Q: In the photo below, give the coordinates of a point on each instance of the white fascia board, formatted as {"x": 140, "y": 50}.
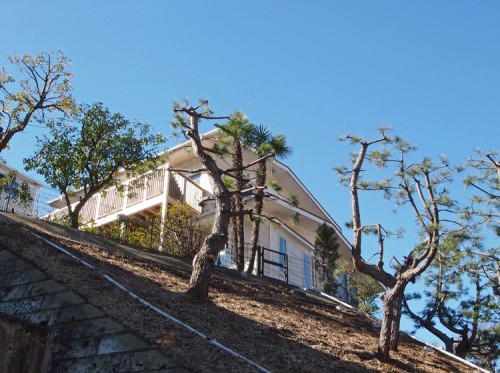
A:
{"x": 297, "y": 180}
{"x": 187, "y": 143}
{"x": 313, "y": 217}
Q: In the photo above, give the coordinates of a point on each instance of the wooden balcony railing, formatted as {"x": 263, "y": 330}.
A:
{"x": 185, "y": 190}
{"x": 151, "y": 185}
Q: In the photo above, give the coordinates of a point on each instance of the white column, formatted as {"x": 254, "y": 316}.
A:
{"x": 164, "y": 203}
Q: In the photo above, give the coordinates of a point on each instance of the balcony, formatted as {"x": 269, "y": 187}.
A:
{"x": 139, "y": 194}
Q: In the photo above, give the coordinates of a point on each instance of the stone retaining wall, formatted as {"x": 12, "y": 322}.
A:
{"x": 65, "y": 332}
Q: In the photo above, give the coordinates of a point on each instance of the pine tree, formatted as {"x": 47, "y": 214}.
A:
{"x": 326, "y": 254}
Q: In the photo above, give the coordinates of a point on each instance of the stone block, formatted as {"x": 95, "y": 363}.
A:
{"x": 30, "y": 289}
{"x": 19, "y": 278}
{"x": 86, "y": 328}
{"x": 6, "y": 255}
{"x": 61, "y": 299}
{"x": 44, "y": 287}
{"x": 17, "y": 307}
{"x": 74, "y": 348}
{"x": 16, "y": 265}
{"x": 39, "y": 317}
{"x": 147, "y": 360}
{"x": 93, "y": 364}
{"x": 74, "y": 313}
{"x": 119, "y": 343}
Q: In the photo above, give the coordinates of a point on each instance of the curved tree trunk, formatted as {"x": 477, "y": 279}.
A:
{"x": 428, "y": 324}
{"x": 464, "y": 345}
{"x": 398, "y": 304}
{"x": 214, "y": 243}
{"x": 74, "y": 214}
{"x": 73, "y": 218}
{"x": 199, "y": 283}
{"x": 391, "y": 316}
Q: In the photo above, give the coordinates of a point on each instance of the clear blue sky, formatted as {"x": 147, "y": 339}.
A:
{"x": 312, "y": 70}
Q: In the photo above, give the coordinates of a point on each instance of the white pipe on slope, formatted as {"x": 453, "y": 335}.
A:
{"x": 156, "y": 309}
{"x": 453, "y": 356}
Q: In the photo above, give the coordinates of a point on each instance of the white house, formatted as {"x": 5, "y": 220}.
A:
{"x": 287, "y": 248}
{"x": 9, "y": 200}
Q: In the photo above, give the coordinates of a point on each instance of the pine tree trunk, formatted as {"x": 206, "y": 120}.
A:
{"x": 238, "y": 235}
{"x": 398, "y": 304}
{"x": 255, "y": 241}
{"x": 235, "y": 242}
{"x": 391, "y": 315}
{"x": 464, "y": 345}
{"x": 199, "y": 283}
{"x": 384, "y": 341}
{"x": 237, "y": 204}
{"x": 260, "y": 182}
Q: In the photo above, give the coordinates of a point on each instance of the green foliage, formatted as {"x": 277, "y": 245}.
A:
{"x": 87, "y": 153}
{"x": 183, "y": 233}
{"x": 275, "y": 185}
{"x": 328, "y": 287}
{"x": 486, "y": 353}
{"x": 362, "y": 293}
{"x": 43, "y": 88}
{"x": 14, "y": 192}
{"x": 326, "y": 254}
{"x": 228, "y": 182}
{"x": 24, "y": 195}
{"x": 62, "y": 220}
{"x": 293, "y": 200}
{"x": 458, "y": 295}
{"x": 484, "y": 181}
{"x": 265, "y": 143}
{"x": 294, "y": 219}
{"x": 222, "y": 146}
{"x": 366, "y": 296}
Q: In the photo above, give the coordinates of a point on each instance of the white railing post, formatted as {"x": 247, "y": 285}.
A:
{"x": 97, "y": 207}
{"x": 145, "y": 182}
{"x": 125, "y": 197}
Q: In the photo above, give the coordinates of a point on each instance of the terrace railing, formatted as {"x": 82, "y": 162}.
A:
{"x": 139, "y": 190}
{"x": 185, "y": 190}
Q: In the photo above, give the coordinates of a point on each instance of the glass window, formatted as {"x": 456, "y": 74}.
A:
{"x": 307, "y": 271}
{"x": 196, "y": 177}
{"x": 282, "y": 251}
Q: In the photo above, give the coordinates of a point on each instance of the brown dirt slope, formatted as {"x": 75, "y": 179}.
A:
{"x": 259, "y": 320}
